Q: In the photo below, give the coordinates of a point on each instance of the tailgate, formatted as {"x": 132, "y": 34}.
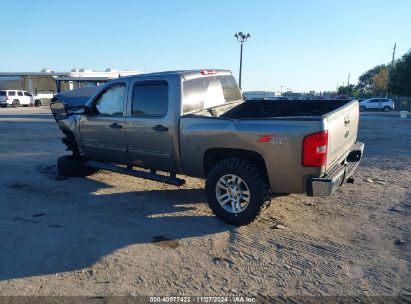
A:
{"x": 342, "y": 125}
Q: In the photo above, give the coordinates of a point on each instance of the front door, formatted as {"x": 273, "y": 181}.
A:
{"x": 22, "y": 98}
{"x": 103, "y": 132}
{"x": 149, "y": 126}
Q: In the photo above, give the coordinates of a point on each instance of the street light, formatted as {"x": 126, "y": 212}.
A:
{"x": 241, "y": 37}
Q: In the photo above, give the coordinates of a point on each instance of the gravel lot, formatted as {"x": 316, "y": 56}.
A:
{"x": 117, "y": 235}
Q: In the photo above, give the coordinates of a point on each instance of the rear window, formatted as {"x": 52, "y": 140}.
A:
{"x": 20, "y": 93}
{"x": 12, "y": 93}
{"x": 2, "y": 93}
{"x": 208, "y": 92}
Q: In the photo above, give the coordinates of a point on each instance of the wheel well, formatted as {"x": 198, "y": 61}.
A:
{"x": 213, "y": 156}
{"x": 70, "y": 141}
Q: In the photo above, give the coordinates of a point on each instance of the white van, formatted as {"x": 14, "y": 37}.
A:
{"x": 16, "y": 98}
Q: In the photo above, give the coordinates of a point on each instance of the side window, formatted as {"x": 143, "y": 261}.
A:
{"x": 150, "y": 99}
{"x": 20, "y": 93}
{"x": 12, "y": 93}
{"x": 27, "y": 94}
{"x": 111, "y": 101}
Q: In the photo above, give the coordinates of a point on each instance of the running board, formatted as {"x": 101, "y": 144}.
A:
{"x": 172, "y": 180}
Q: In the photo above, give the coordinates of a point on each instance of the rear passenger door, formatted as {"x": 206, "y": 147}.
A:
{"x": 12, "y": 95}
{"x": 148, "y": 125}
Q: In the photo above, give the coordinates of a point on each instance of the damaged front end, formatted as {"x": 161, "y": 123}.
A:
{"x": 67, "y": 108}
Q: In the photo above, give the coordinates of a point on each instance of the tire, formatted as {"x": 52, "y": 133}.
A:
{"x": 362, "y": 109}
{"x": 386, "y": 109}
{"x": 253, "y": 178}
{"x": 15, "y": 104}
{"x": 74, "y": 167}
{"x": 4, "y": 106}
{"x": 37, "y": 103}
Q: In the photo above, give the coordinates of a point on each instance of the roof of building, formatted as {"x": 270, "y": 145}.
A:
{"x": 34, "y": 74}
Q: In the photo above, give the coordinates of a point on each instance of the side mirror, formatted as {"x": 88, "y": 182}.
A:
{"x": 59, "y": 110}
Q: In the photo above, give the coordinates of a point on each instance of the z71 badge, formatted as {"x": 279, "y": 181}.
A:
{"x": 271, "y": 139}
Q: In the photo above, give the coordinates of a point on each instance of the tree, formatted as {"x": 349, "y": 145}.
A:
{"x": 374, "y": 81}
{"x": 381, "y": 82}
{"x": 400, "y": 78}
{"x": 350, "y": 90}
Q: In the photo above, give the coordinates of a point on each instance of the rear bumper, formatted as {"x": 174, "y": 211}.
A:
{"x": 338, "y": 175}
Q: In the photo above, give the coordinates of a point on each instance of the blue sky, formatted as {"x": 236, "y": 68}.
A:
{"x": 302, "y": 45}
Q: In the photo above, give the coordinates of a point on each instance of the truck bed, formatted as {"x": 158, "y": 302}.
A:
{"x": 240, "y": 125}
{"x": 285, "y": 108}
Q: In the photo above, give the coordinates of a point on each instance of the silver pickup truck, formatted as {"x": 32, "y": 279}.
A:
{"x": 196, "y": 123}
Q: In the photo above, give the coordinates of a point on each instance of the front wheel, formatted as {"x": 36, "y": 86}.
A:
{"x": 37, "y": 103}
{"x": 74, "y": 167}
{"x": 386, "y": 109}
{"x": 15, "y": 103}
{"x": 237, "y": 191}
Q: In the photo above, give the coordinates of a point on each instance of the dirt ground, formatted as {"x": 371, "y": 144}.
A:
{"x": 117, "y": 235}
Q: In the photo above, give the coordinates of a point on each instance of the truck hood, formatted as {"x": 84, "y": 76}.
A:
{"x": 75, "y": 98}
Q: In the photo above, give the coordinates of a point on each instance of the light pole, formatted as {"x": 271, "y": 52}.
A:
{"x": 241, "y": 37}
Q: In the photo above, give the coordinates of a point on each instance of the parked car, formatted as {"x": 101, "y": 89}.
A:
{"x": 379, "y": 104}
{"x": 343, "y": 98}
{"x": 195, "y": 123}
{"x": 16, "y": 98}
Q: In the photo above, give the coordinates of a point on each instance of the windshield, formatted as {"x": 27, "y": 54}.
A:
{"x": 207, "y": 92}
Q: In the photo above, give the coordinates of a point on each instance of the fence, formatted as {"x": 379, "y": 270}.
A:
{"x": 402, "y": 103}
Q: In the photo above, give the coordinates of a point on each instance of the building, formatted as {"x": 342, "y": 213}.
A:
{"x": 46, "y": 83}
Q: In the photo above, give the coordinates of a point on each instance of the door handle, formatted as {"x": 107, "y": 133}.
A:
{"x": 115, "y": 126}
{"x": 160, "y": 128}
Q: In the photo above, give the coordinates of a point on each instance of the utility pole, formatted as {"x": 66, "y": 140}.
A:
{"x": 393, "y": 55}
{"x": 241, "y": 37}
{"x": 348, "y": 83}
{"x": 392, "y": 68}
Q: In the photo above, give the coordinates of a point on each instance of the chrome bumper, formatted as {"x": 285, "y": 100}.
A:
{"x": 338, "y": 175}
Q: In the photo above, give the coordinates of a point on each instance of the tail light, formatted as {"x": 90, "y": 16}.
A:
{"x": 315, "y": 148}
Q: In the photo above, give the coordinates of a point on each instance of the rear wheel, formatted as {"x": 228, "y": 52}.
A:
{"x": 37, "y": 103}
{"x": 74, "y": 167}
{"x": 386, "y": 109}
{"x": 237, "y": 191}
{"x": 15, "y": 103}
